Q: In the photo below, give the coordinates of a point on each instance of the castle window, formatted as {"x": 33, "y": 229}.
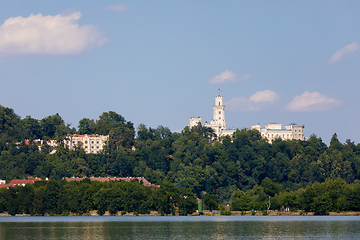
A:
{"x": 97, "y": 142}
{"x": 219, "y": 103}
{"x": 85, "y": 142}
{"x": 219, "y": 117}
{"x": 219, "y": 112}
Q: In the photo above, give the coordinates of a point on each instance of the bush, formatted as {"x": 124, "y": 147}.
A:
{"x": 224, "y": 212}
{"x": 265, "y": 213}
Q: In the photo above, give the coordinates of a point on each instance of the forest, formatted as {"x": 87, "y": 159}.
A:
{"x": 235, "y": 169}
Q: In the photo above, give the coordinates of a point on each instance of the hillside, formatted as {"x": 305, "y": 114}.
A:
{"x": 188, "y": 159}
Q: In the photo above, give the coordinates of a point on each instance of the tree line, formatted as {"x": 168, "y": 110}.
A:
{"x": 320, "y": 198}
{"x": 81, "y": 197}
{"x": 191, "y": 160}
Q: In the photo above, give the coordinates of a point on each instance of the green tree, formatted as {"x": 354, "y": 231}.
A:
{"x": 188, "y": 204}
{"x": 167, "y": 198}
{"x": 270, "y": 188}
{"x": 86, "y": 126}
{"x": 211, "y": 201}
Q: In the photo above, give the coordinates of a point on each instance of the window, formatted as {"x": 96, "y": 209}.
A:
{"x": 85, "y": 142}
{"x": 219, "y": 103}
{"x": 220, "y": 112}
{"x": 92, "y": 142}
{"x": 92, "y": 146}
{"x": 97, "y": 142}
{"x": 219, "y": 117}
{"x": 73, "y": 142}
{"x": 97, "y": 147}
{"x": 86, "y": 146}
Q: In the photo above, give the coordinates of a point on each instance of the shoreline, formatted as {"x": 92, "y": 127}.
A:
{"x": 215, "y": 213}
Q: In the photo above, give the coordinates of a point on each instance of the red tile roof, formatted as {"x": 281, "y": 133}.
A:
{"x": 103, "y": 179}
{"x": 19, "y": 182}
{"x": 78, "y": 135}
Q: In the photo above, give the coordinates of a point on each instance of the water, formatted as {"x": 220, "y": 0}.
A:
{"x": 211, "y": 227}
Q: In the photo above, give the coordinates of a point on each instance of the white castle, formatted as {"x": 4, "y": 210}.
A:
{"x": 218, "y": 124}
{"x": 271, "y": 131}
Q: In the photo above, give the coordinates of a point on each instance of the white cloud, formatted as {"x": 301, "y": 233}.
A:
{"x": 264, "y": 96}
{"x": 312, "y": 102}
{"x": 351, "y": 48}
{"x": 118, "y": 8}
{"x": 224, "y": 77}
{"x": 256, "y": 102}
{"x": 228, "y": 76}
{"x": 38, "y": 34}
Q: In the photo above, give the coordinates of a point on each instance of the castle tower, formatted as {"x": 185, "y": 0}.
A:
{"x": 218, "y": 124}
{"x": 194, "y": 121}
{"x": 219, "y": 113}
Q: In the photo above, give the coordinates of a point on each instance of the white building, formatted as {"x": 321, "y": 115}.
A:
{"x": 273, "y": 131}
{"x": 90, "y": 143}
{"x": 270, "y": 132}
{"x": 194, "y": 121}
{"x": 218, "y": 124}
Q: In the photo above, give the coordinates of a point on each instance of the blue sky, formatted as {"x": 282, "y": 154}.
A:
{"x": 161, "y": 62}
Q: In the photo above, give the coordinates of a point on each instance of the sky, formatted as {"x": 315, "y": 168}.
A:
{"x": 161, "y": 62}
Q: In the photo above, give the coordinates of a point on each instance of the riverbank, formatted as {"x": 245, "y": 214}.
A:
{"x": 206, "y": 213}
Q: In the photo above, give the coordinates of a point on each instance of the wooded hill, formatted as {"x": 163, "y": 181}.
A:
{"x": 190, "y": 159}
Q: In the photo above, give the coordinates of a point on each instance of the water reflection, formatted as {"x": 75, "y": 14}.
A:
{"x": 257, "y": 229}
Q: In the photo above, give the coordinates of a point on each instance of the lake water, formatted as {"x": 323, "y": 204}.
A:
{"x": 194, "y": 227}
